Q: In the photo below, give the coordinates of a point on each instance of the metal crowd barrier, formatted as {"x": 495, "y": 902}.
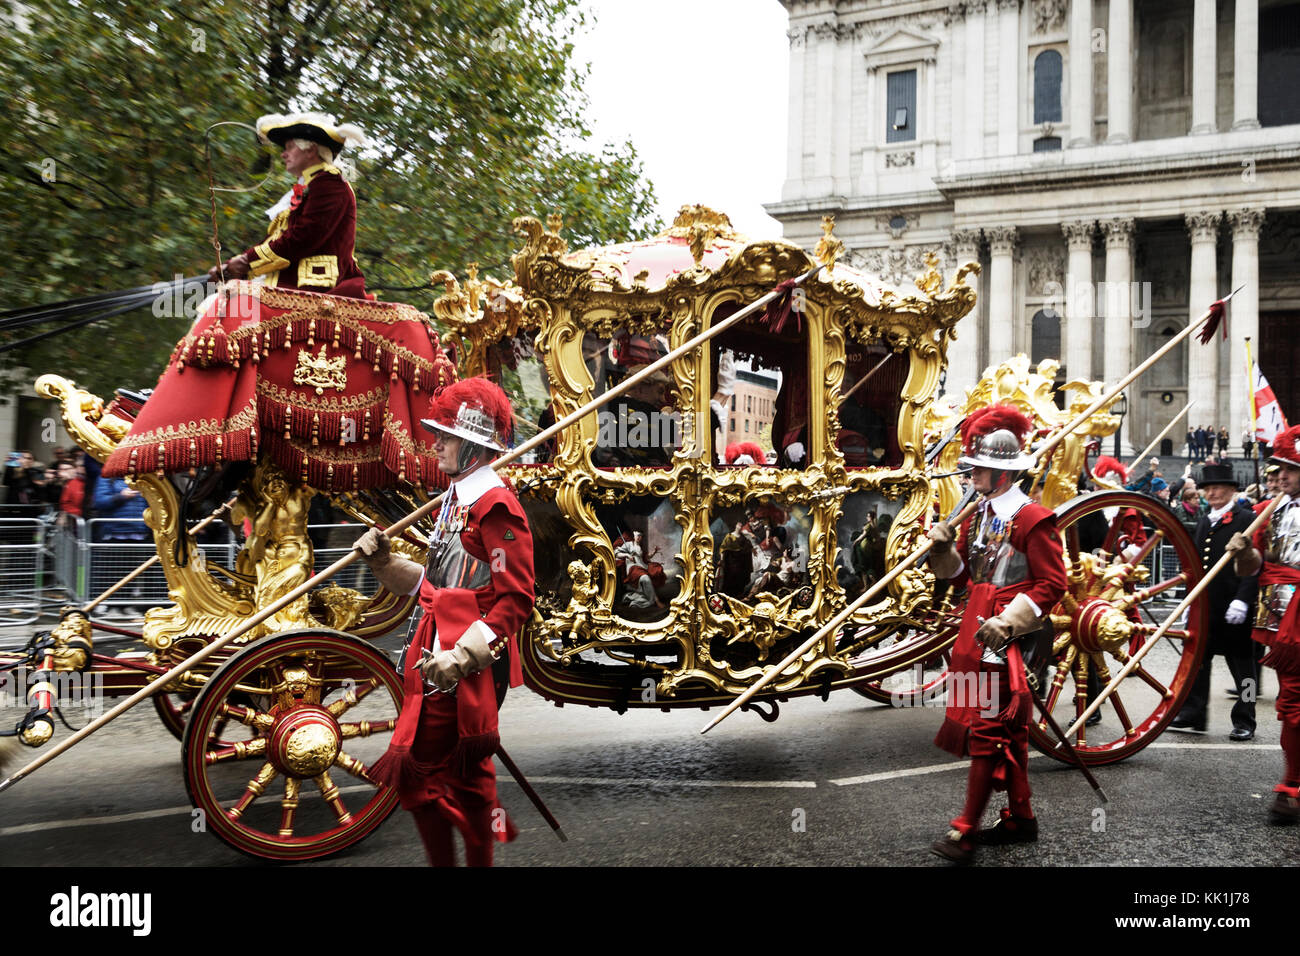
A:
{"x": 22, "y": 569}
{"x": 114, "y": 547}
{"x": 330, "y": 542}
{"x": 49, "y": 561}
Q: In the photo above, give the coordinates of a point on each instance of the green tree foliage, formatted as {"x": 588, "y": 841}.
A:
{"x": 473, "y": 110}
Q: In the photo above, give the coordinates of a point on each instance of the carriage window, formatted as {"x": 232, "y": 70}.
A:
{"x": 870, "y": 405}
{"x": 641, "y": 427}
{"x": 516, "y": 364}
{"x": 768, "y": 371}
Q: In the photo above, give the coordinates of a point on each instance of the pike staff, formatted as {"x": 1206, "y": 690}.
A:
{"x": 1165, "y": 431}
{"x": 783, "y": 292}
{"x": 1213, "y": 316}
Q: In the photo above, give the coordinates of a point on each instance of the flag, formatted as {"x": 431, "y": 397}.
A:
{"x": 1269, "y": 420}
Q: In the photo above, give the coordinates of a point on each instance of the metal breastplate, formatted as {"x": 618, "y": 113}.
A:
{"x": 451, "y": 566}
{"x": 992, "y": 558}
{"x": 1283, "y": 547}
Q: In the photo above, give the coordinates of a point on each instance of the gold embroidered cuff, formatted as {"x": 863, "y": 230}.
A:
{"x": 266, "y": 261}
{"x": 319, "y": 272}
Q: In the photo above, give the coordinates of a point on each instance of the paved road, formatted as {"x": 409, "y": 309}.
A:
{"x": 843, "y": 782}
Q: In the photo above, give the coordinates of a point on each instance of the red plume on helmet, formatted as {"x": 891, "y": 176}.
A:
{"x": 989, "y": 419}
{"x": 1107, "y": 465}
{"x": 756, "y": 454}
{"x": 1286, "y": 446}
{"x": 475, "y": 409}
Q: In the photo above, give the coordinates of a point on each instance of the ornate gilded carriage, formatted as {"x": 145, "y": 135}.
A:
{"x": 673, "y": 566}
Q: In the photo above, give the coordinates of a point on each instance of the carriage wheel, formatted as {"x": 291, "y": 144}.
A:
{"x": 278, "y": 742}
{"x": 923, "y": 677}
{"x": 1111, "y": 609}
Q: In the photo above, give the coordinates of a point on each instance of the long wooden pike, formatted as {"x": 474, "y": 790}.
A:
{"x": 396, "y": 529}
{"x": 1042, "y": 453}
{"x": 1260, "y": 520}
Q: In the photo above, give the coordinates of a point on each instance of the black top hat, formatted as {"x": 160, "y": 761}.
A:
{"x": 1218, "y": 475}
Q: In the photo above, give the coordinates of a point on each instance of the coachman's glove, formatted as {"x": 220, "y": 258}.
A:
{"x": 945, "y": 562}
{"x": 1245, "y": 559}
{"x": 1236, "y": 613}
{"x": 444, "y": 669}
{"x": 375, "y": 547}
{"x": 1018, "y": 618}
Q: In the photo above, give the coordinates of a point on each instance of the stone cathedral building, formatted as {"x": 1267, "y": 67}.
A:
{"x": 1114, "y": 165}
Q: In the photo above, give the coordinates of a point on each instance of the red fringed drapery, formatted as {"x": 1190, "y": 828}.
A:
{"x": 331, "y": 388}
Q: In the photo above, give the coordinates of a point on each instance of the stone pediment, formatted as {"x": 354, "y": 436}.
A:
{"x": 901, "y": 46}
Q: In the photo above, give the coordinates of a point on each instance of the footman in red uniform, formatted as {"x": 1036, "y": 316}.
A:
{"x": 1275, "y": 553}
{"x": 476, "y": 591}
{"x": 1011, "y": 554}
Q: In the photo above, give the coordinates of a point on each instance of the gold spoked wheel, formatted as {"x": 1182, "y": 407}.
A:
{"x": 1120, "y": 589}
{"x": 301, "y": 716}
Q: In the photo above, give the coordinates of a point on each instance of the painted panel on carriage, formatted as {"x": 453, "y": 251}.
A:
{"x": 760, "y": 547}
{"x": 861, "y": 532}
{"x": 646, "y": 542}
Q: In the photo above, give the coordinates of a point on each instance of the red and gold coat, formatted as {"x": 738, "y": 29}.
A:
{"x": 310, "y": 245}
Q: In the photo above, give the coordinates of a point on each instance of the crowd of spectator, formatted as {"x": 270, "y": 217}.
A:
{"x": 60, "y": 487}
{"x": 1201, "y": 442}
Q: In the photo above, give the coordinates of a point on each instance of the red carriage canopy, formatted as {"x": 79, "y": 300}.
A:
{"x": 332, "y": 388}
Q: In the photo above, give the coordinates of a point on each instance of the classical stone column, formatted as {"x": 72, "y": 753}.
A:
{"x": 1119, "y": 73}
{"x": 1243, "y": 311}
{"x": 1203, "y": 360}
{"x": 842, "y": 111}
{"x": 1080, "y": 72}
{"x": 1117, "y": 302}
{"x": 963, "y": 356}
{"x": 1002, "y": 250}
{"x": 1008, "y": 74}
{"x": 1245, "y": 66}
{"x": 796, "y": 135}
{"x": 1204, "y": 77}
{"x": 822, "y": 183}
{"x": 1080, "y": 294}
{"x": 957, "y": 73}
{"x": 974, "y": 83}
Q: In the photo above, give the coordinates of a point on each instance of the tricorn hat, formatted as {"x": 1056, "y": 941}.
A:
{"x": 474, "y": 409}
{"x": 1218, "y": 475}
{"x": 318, "y": 127}
{"x": 994, "y": 437}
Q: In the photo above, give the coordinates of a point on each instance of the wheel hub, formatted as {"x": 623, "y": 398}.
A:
{"x": 305, "y": 742}
{"x": 1100, "y": 626}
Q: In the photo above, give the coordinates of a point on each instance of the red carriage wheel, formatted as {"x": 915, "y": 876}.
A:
{"x": 278, "y": 741}
{"x": 1111, "y": 609}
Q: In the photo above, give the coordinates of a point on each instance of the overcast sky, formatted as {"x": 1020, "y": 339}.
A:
{"x": 699, "y": 87}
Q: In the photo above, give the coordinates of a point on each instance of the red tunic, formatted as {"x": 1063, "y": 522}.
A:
{"x": 979, "y": 723}
{"x": 311, "y": 246}
{"x": 456, "y": 733}
{"x": 1284, "y": 643}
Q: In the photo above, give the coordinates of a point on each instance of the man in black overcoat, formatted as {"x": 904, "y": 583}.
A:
{"x": 1232, "y": 609}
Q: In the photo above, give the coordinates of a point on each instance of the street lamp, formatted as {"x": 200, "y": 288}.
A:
{"x": 1120, "y": 408}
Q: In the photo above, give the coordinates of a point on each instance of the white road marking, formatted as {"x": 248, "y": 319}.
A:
{"x": 1207, "y": 746}
{"x": 664, "y": 782}
{"x": 909, "y": 772}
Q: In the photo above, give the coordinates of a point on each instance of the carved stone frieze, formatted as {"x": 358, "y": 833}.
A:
{"x": 1045, "y": 265}
{"x": 1048, "y": 15}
